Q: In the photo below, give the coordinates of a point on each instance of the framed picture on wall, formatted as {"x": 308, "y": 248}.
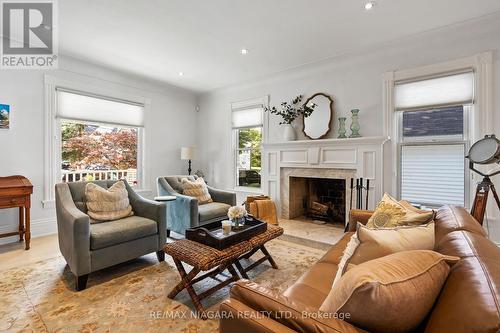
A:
{"x": 4, "y": 116}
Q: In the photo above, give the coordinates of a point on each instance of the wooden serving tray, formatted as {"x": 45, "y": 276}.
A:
{"x": 211, "y": 234}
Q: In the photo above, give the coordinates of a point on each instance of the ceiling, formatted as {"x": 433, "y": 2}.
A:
{"x": 158, "y": 39}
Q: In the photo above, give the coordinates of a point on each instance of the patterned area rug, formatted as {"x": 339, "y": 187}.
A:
{"x": 131, "y": 297}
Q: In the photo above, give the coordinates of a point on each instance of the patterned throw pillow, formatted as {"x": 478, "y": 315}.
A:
{"x": 391, "y": 213}
{"x": 197, "y": 189}
{"x": 107, "y": 205}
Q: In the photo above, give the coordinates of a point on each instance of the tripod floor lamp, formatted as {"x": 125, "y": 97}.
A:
{"x": 484, "y": 151}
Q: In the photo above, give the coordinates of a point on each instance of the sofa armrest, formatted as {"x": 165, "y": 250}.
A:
{"x": 290, "y": 313}
{"x": 226, "y": 197}
{"x": 182, "y": 212}
{"x": 238, "y": 317}
{"x": 185, "y": 205}
{"x": 358, "y": 215}
{"x": 150, "y": 209}
{"x": 73, "y": 228}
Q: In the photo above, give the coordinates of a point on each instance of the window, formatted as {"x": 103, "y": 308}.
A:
{"x": 100, "y": 138}
{"x": 433, "y": 117}
{"x": 247, "y": 127}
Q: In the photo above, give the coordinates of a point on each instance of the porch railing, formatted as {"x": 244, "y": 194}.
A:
{"x": 89, "y": 175}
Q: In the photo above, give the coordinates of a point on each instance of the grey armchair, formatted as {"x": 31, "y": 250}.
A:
{"x": 88, "y": 247}
{"x": 185, "y": 213}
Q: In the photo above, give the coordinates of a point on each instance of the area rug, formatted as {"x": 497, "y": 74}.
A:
{"x": 130, "y": 297}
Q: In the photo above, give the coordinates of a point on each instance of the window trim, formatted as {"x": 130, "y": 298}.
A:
{"x": 247, "y": 103}
{"x": 481, "y": 122}
{"x": 465, "y": 141}
{"x": 52, "y": 137}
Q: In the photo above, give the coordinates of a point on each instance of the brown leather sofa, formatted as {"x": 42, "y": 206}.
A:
{"x": 469, "y": 301}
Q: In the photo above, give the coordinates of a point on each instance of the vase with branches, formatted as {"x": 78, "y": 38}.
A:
{"x": 289, "y": 111}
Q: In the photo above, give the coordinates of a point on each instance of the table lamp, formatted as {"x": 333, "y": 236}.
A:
{"x": 187, "y": 153}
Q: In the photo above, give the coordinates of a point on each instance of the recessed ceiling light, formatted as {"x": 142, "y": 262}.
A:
{"x": 181, "y": 74}
{"x": 369, "y": 5}
{"x": 244, "y": 51}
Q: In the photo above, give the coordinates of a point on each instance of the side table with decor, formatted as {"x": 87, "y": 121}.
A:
{"x": 213, "y": 249}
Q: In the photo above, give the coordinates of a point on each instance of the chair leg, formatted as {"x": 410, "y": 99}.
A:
{"x": 160, "y": 255}
{"x": 168, "y": 233}
{"x": 81, "y": 282}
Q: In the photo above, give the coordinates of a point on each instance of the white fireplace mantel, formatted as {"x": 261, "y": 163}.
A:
{"x": 362, "y": 155}
{"x": 326, "y": 142}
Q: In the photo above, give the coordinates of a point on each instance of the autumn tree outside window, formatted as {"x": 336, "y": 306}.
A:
{"x": 100, "y": 137}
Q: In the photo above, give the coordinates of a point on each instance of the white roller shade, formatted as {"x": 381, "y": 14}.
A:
{"x": 247, "y": 118}
{"x": 75, "y": 106}
{"x": 446, "y": 90}
{"x": 433, "y": 174}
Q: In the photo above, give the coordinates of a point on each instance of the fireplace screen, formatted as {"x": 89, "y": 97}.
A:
{"x": 318, "y": 198}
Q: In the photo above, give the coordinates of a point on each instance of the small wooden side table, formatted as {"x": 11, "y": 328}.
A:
{"x": 15, "y": 191}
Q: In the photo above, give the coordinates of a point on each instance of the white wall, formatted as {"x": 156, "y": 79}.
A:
{"x": 170, "y": 125}
{"x": 354, "y": 81}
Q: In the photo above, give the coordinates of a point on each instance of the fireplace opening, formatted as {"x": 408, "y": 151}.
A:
{"x": 318, "y": 199}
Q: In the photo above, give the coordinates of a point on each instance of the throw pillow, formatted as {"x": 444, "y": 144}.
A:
{"x": 367, "y": 244}
{"x": 107, "y": 205}
{"x": 391, "y": 213}
{"x": 409, "y": 206}
{"x": 197, "y": 189}
{"x": 390, "y": 294}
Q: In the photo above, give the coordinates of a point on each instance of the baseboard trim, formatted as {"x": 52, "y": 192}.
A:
{"x": 39, "y": 227}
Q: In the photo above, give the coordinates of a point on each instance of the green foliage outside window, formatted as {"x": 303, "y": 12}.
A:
{"x": 251, "y": 138}
{"x": 68, "y": 132}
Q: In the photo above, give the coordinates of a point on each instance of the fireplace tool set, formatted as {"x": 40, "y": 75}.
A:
{"x": 359, "y": 192}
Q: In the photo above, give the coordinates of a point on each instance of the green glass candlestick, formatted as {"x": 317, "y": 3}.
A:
{"x": 342, "y": 130}
{"x": 355, "y": 124}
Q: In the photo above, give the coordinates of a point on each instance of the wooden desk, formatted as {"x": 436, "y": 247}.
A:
{"x": 15, "y": 191}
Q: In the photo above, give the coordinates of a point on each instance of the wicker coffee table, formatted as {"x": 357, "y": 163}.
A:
{"x": 257, "y": 242}
{"x": 207, "y": 259}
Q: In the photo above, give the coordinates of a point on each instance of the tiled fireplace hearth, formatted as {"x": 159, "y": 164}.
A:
{"x": 292, "y": 169}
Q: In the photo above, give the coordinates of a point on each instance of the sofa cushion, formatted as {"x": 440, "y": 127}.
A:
{"x": 107, "y": 204}
{"x": 334, "y": 255}
{"x": 110, "y": 233}
{"x": 453, "y": 218}
{"x": 367, "y": 244}
{"x": 77, "y": 190}
{"x": 197, "y": 189}
{"x": 376, "y": 243}
{"x": 314, "y": 285}
{"x": 377, "y": 292}
{"x": 470, "y": 299}
{"x": 391, "y": 213}
{"x": 212, "y": 210}
{"x": 175, "y": 182}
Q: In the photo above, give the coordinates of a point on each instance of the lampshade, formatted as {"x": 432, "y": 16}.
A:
{"x": 187, "y": 153}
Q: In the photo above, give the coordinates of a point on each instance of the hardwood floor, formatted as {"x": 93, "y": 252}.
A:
{"x": 46, "y": 247}
{"x": 42, "y": 248}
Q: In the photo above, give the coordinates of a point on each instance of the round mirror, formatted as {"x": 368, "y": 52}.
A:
{"x": 317, "y": 125}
